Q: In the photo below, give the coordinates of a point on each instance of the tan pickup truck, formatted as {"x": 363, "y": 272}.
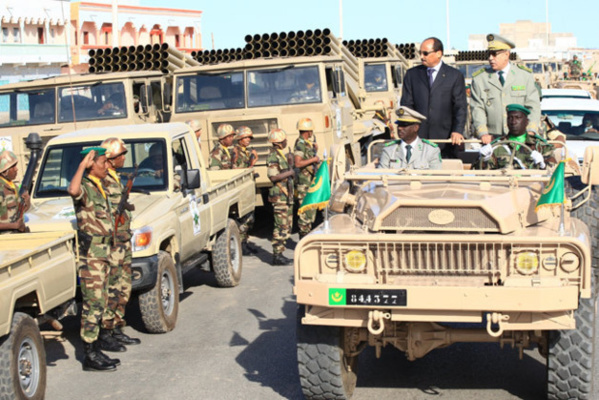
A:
{"x": 38, "y": 281}
{"x": 185, "y": 215}
{"x": 421, "y": 259}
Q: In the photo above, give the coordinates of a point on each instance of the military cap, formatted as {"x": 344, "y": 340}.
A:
{"x": 243, "y": 132}
{"x": 100, "y": 151}
{"x": 194, "y": 124}
{"x": 405, "y": 114}
{"x": 497, "y": 42}
{"x": 224, "y": 130}
{"x": 7, "y": 160}
{"x": 517, "y": 107}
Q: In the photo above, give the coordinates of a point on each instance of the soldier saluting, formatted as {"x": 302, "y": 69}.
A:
{"x": 9, "y": 195}
{"x": 94, "y": 230}
{"x": 119, "y": 289}
{"x": 280, "y": 172}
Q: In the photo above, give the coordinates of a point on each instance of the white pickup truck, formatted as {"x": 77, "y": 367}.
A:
{"x": 38, "y": 282}
{"x": 185, "y": 215}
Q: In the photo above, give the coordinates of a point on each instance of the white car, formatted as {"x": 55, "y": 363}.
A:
{"x": 577, "y": 118}
{"x": 565, "y": 93}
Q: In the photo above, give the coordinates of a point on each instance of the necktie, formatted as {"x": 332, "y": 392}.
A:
{"x": 430, "y": 77}
{"x": 501, "y": 79}
{"x": 408, "y": 153}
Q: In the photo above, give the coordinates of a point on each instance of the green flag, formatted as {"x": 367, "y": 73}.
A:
{"x": 319, "y": 191}
{"x": 553, "y": 192}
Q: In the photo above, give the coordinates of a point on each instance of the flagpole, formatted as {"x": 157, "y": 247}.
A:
{"x": 326, "y": 225}
{"x": 562, "y": 228}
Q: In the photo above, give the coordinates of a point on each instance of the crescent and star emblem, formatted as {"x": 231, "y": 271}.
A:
{"x": 549, "y": 187}
{"x": 316, "y": 186}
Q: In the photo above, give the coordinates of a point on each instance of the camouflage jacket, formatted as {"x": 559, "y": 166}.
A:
{"x": 275, "y": 164}
{"x": 522, "y": 159}
{"x": 114, "y": 190}
{"x": 93, "y": 210}
{"x": 221, "y": 158}
{"x": 304, "y": 149}
{"x": 9, "y": 201}
{"x": 243, "y": 157}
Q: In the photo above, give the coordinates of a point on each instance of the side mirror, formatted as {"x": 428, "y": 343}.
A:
{"x": 145, "y": 98}
{"x": 338, "y": 82}
{"x": 167, "y": 96}
{"x": 192, "y": 178}
{"x": 590, "y": 166}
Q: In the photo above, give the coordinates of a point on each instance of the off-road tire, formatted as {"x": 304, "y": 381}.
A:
{"x": 324, "y": 371}
{"x": 160, "y": 305}
{"x": 22, "y": 361}
{"x": 226, "y": 256}
{"x": 573, "y": 359}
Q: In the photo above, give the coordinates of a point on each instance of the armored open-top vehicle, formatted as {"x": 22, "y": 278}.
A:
{"x": 410, "y": 254}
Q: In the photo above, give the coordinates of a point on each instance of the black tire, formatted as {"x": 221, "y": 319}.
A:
{"x": 226, "y": 256}
{"x": 22, "y": 361}
{"x": 160, "y": 305}
{"x": 324, "y": 370}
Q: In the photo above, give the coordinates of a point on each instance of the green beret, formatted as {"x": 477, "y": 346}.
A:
{"x": 517, "y": 107}
{"x": 100, "y": 151}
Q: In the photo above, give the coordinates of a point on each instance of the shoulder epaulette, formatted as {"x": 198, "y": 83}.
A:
{"x": 478, "y": 72}
{"x": 430, "y": 143}
{"x": 391, "y": 143}
{"x": 525, "y": 68}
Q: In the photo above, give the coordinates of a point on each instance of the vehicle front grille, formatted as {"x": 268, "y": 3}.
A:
{"x": 422, "y": 219}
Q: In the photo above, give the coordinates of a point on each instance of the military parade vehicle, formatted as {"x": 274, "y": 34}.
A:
{"x": 38, "y": 281}
{"x": 421, "y": 259}
{"x": 185, "y": 215}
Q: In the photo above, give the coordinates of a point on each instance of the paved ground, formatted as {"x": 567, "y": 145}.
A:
{"x": 239, "y": 343}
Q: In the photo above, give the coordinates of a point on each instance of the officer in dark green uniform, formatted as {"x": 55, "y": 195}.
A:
{"x": 497, "y": 155}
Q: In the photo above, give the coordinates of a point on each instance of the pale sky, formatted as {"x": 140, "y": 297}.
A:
{"x": 400, "y": 21}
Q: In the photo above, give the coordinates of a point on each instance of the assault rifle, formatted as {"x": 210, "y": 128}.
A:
{"x": 33, "y": 143}
{"x": 119, "y": 217}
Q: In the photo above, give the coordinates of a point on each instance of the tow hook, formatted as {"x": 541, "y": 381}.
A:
{"x": 378, "y": 318}
{"x": 496, "y": 318}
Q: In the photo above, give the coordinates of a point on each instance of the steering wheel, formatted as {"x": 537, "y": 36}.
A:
{"x": 146, "y": 172}
{"x": 512, "y": 144}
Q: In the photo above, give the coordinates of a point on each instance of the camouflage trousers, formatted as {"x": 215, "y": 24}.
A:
{"x": 246, "y": 223}
{"x": 305, "y": 219}
{"x": 119, "y": 285}
{"x": 93, "y": 278}
{"x": 283, "y": 216}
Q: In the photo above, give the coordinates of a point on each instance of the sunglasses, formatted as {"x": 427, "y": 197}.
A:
{"x": 402, "y": 124}
{"x": 426, "y": 53}
{"x": 495, "y": 53}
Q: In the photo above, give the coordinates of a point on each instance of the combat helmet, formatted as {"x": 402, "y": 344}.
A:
{"x": 224, "y": 130}
{"x": 243, "y": 132}
{"x": 7, "y": 160}
{"x": 277, "y": 136}
{"x": 305, "y": 124}
{"x": 114, "y": 147}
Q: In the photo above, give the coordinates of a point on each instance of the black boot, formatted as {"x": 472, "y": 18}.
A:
{"x": 279, "y": 259}
{"x": 93, "y": 360}
{"x": 108, "y": 343}
{"x": 122, "y": 338}
{"x": 247, "y": 248}
{"x": 114, "y": 361}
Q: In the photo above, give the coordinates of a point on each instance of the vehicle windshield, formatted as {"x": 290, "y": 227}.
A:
{"x": 375, "y": 79}
{"x": 577, "y": 125}
{"x": 33, "y": 107}
{"x": 537, "y": 68}
{"x": 265, "y": 87}
{"x": 61, "y": 162}
{"x": 468, "y": 69}
{"x": 92, "y": 102}
{"x": 209, "y": 92}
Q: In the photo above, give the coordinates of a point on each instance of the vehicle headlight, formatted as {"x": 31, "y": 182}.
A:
{"x": 141, "y": 239}
{"x": 527, "y": 263}
{"x": 355, "y": 261}
{"x": 570, "y": 262}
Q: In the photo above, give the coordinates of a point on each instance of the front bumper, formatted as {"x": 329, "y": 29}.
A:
{"x": 144, "y": 273}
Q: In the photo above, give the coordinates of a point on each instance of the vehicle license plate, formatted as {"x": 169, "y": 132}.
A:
{"x": 367, "y": 297}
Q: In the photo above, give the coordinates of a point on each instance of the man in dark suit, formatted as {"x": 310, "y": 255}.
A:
{"x": 438, "y": 92}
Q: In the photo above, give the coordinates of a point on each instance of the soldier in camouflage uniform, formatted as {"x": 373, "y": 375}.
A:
{"x": 575, "y": 68}
{"x": 245, "y": 157}
{"x": 119, "y": 283}
{"x": 221, "y": 156}
{"x": 9, "y": 194}
{"x": 497, "y": 156}
{"x": 94, "y": 230}
{"x": 280, "y": 172}
{"x": 306, "y": 158}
